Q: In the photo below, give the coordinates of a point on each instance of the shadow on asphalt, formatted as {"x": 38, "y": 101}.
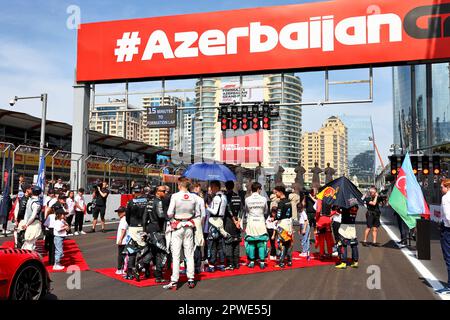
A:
{"x": 390, "y": 245}
{"x": 50, "y": 297}
{"x": 425, "y": 282}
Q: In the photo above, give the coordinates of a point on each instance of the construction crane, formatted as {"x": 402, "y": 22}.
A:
{"x": 372, "y": 138}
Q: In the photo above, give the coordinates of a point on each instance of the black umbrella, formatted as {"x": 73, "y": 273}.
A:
{"x": 340, "y": 192}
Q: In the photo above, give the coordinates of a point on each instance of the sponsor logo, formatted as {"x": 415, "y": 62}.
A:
{"x": 330, "y": 192}
{"x": 264, "y": 39}
{"x": 237, "y": 147}
{"x": 436, "y": 27}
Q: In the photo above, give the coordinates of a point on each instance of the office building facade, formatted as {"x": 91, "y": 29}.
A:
{"x": 328, "y": 145}
{"x": 421, "y": 117}
{"x": 114, "y": 118}
{"x": 280, "y": 145}
{"x": 361, "y": 152}
{"x": 421, "y": 107}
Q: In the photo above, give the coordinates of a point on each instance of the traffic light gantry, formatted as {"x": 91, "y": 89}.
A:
{"x": 419, "y": 163}
{"x": 245, "y": 116}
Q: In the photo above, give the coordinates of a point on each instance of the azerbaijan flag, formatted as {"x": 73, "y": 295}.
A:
{"x": 407, "y": 198}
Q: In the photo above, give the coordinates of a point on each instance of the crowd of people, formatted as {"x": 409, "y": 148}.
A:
{"x": 58, "y": 214}
{"x": 203, "y": 227}
{"x": 203, "y": 230}
{"x": 200, "y": 229}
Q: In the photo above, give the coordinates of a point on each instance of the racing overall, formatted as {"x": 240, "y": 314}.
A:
{"x": 199, "y": 240}
{"x": 216, "y": 245}
{"x": 284, "y": 230}
{"x": 232, "y": 215}
{"x": 135, "y": 218}
{"x": 347, "y": 234}
{"x": 183, "y": 209}
{"x": 155, "y": 219}
{"x": 256, "y": 232}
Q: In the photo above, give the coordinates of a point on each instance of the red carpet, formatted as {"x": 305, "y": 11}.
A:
{"x": 72, "y": 255}
{"x": 243, "y": 270}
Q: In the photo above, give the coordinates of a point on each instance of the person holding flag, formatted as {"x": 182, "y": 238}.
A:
{"x": 41, "y": 183}
{"x": 5, "y": 203}
{"x": 407, "y": 198}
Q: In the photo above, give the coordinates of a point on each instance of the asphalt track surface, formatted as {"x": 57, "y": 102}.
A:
{"x": 399, "y": 280}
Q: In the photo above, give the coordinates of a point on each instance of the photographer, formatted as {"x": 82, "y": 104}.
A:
{"x": 373, "y": 215}
{"x": 100, "y": 196}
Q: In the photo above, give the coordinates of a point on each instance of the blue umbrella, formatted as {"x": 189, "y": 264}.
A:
{"x": 209, "y": 171}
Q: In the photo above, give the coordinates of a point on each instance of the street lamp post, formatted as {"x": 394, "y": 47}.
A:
{"x": 43, "y": 97}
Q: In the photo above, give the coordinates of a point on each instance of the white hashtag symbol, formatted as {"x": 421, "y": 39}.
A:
{"x": 128, "y": 46}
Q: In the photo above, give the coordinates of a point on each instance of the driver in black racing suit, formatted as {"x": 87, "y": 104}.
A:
{"x": 155, "y": 218}
{"x": 135, "y": 218}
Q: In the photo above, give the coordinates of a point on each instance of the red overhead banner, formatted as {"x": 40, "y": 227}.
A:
{"x": 311, "y": 36}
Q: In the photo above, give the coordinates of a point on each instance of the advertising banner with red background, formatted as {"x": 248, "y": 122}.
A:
{"x": 245, "y": 148}
{"x": 303, "y": 36}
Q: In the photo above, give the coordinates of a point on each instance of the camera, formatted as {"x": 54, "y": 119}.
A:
{"x": 12, "y": 102}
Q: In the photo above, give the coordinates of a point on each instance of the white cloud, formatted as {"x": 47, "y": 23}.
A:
{"x": 28, "y": 72}
{"x": 16, "y": 57}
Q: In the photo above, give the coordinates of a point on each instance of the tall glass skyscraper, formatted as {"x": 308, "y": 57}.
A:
{"x": 286, "y": 133}
{"x": 361, "y": 154}
{"x": 421, "y": 116}
{"x": 205, "y": 119}
{"x": 441, "y": 103}
{"x": 402, "y": 106}
{"x": 284, "y": 145}
{"x": 421, "y": 123}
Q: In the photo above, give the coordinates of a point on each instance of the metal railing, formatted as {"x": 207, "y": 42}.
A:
{"x": 28, "y": 165}
{"x": 54, "y": 156}
{"x": 45, "y": 153}
{"x": 97, "y": 157}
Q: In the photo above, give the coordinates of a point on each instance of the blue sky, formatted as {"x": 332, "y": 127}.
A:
{"x": 38, "y": 54}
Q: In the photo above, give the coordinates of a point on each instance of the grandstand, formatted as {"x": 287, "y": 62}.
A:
{"x": 115, "y": 159}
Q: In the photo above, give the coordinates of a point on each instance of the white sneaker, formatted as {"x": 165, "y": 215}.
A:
{"x": 335, "y": 254}
{"x": 82, "y": 232}
{"x": 77, "y": 233}
{"x": 119, "y": 272}
{"x": 58, "y": 267}
{"x": 303, "y": 254}
{"x": 273, "y": 258}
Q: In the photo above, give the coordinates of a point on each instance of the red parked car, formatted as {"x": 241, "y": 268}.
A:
{"x": 22, "y": 275}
